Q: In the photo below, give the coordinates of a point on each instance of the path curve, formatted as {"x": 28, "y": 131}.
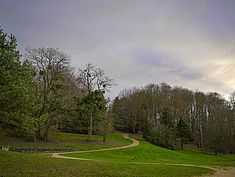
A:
{"x": 60, "y": 155}
{"x": 219, "y": 172}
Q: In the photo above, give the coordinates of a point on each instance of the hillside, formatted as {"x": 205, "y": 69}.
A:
{"x": 142, "y": 160}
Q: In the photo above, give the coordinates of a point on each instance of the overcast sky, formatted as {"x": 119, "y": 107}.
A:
{"x": 136, "y": 42}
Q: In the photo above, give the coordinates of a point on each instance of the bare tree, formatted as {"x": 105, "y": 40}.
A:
{"x": 92, "y": 78}
{"x": 50, "y": 64}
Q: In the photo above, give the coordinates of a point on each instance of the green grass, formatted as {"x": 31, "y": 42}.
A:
{"x": 148, "y": 153}
{"x": 68, "y": 141}
{"x": 13, "y": 164}
{"x": 114, "y": 163}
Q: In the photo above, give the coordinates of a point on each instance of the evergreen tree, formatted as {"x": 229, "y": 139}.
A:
{"x": 166, "y": 118}
{"x": 16, "y": 88}
{"x": 183, "y": 132}
{"x": 92, "y": 108}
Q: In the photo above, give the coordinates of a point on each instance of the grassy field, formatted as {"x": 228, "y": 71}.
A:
{"x": 14, "y": 164}
{"x": 115, "y": 163}
{"x": 148, "y": 153}
{"x": 67, "y": 141}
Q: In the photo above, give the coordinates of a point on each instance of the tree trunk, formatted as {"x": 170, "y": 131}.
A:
{"x": 134, "y": 127}
{"x": 182, "y": 144}
{"x": 104, "y": 138}
{"x": 40, "y": 114}
{"x": 201, "y": 137}
{"x": 45, "y": 136}
{"x": 90, "y": 128}
{"x": 35, "y": 138}
{"x": 57, "y": 124}
{"x": 39, "y": 132}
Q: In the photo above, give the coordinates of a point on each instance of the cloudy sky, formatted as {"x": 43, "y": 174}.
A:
{"x": 136, "y": 42}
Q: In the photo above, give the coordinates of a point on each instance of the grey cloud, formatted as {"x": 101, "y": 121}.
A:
{"x": 182, "y": 42}
{"x": 165, "y": 62}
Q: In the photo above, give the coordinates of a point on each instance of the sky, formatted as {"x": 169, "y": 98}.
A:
{"x": 189, "y": 43}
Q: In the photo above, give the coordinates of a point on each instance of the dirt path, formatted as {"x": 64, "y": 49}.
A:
{"x": 219, "y": 172}
{"x": 133, "y": 144}
{"x": 223, "y": 172}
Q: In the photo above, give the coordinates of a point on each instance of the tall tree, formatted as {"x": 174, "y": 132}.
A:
{"x": 92, "y": 106}
{"x": 183, "y": 132}
{"x": 16, "y": 87}
{"x": 50, "y": 65}
{"x": 95, "y": 83}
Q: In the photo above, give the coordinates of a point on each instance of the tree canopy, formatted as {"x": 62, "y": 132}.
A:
{"x": 16, "y": 87}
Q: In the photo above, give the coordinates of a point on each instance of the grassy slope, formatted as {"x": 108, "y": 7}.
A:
{"x": 14, "y": 164}
{"x": 68, "y": 141}
{"x": 147, "y": 152}
{"x": 32, "y": 164}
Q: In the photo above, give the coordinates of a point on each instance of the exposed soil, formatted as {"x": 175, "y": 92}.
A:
{"x": 223, "y": 172}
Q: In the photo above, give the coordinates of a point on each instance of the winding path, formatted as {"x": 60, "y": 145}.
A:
{"x": 226, "y": 172}
{"x": 60, "y": 155}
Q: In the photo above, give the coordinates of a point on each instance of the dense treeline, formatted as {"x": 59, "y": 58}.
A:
{"x": 40, "y": 92}
{"x": 171, "y": 117}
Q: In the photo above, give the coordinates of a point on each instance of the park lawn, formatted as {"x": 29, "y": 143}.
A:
{"x": 114, "y": 163}
{"x": 59, "y": 140}
{"x": 148, "y": 153}
{"x": 14, "y": 164}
